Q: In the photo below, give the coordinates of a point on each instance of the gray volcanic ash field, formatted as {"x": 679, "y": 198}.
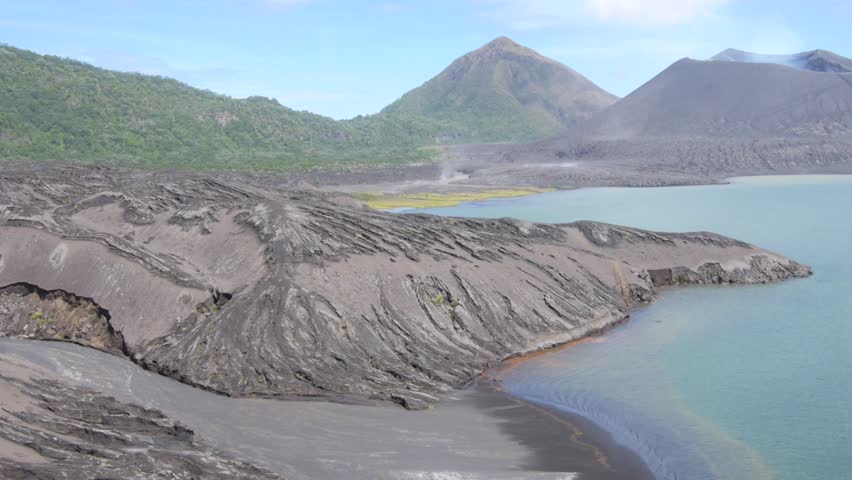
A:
{"x": 248, "y": 286}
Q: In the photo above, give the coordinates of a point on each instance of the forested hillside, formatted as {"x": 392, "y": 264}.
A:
{"x": 58, "y": 109}
{"x": 54, "y": 108}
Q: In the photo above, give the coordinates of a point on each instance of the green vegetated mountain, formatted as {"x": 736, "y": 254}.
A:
{"x": 53, "y": 108}
{"x": 58, "y": 109}
{"x": 504, "y": 91}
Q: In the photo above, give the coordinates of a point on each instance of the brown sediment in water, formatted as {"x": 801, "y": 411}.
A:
{"x": 508, "y": 364}
{"x": 595, "y": 336}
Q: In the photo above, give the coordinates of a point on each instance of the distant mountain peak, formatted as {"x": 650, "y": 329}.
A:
{"x": 732, "y": 96}
{"x": 501, "y": 42}
{"x": 730, "y": 55}
{"x": 813, "y": 60}
{"x": 504, "y": 90}
{"x": 501, "y": 47}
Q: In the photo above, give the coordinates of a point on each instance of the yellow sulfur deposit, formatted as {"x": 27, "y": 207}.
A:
{"x": 381, "y": 201}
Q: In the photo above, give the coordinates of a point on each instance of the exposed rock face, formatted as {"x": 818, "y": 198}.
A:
{"x": 328, "y": 298}
{"x": 51, "y": 430}
{"x": 29, "y": 311}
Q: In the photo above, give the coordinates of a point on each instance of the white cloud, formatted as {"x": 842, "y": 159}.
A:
{"x": 536, "y": 14}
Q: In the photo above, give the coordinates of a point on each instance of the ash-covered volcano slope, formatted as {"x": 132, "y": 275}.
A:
{"x": 695, "y": 122}
{"x": 249, "y": 286}
{"x": 814, "y": 60}
{"x": 732, "y": 99}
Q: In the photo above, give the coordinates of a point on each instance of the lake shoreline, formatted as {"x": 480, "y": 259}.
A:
{"x": 698, "y": 436}
{"x": 613, "y": 459}
{"x": 493, "y": 377}
{"x": 560, "y": 441}
{"x": 411, "y": 196}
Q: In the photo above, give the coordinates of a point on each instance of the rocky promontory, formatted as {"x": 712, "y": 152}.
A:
{"x": 259, "y": 286}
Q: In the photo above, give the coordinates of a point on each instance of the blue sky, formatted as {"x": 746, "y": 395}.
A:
{"x": 343, "y": 58}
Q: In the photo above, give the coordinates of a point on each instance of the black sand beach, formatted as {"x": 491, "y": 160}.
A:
{"x": 560, "y": 441}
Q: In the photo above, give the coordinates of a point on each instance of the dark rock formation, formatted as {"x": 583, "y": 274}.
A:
{"x": 29, "y": 311}
{"x": 328, "y": 298}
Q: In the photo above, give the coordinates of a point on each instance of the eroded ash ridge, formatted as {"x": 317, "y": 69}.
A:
{"x": 262, "y": 286}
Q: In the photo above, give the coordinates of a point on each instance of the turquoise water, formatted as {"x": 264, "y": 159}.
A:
{"x": 717, "y": 382}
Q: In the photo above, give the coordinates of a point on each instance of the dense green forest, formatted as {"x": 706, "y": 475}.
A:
{"x": 54, "y": 108}
{"x": 58, "y": 109}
